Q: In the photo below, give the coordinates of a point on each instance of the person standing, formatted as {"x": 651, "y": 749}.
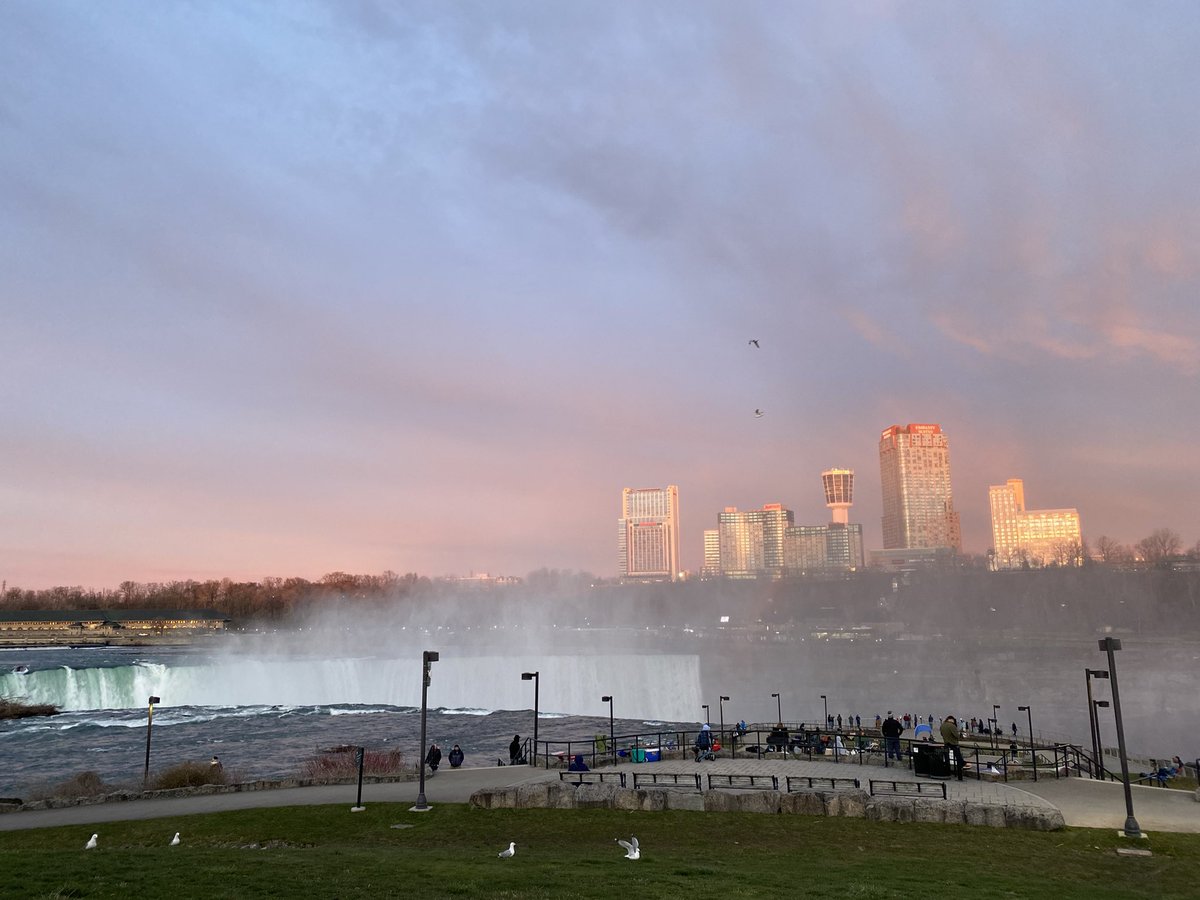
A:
{"x": 950, "y": 739}
{"x": 891, "y": 730}
{"x": 514, "y": 750}
{"x": 433, "y": 758}
{"x": 456, "y": 756}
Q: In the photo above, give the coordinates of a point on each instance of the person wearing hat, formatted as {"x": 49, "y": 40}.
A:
{"x": 950, "y": 738}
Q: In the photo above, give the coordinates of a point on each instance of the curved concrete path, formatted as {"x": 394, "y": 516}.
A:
{"x": 1084, "y": 803}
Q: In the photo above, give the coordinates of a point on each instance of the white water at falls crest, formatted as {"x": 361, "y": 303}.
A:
{"x": 659, "y": 686}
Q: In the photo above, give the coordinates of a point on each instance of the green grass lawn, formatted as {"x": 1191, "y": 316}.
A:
{"x": 451, "y": 850}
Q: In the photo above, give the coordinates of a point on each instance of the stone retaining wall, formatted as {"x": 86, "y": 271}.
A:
{"x": 857, "y": 804}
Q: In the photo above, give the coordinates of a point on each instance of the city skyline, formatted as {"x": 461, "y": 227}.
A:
{"x": 290, "y": 290}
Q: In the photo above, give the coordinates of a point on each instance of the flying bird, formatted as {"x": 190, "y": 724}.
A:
{"x": 754, "y": 342}
{"x": 758, "y": 414}
{"x": 510, "y": 852}
{"x": 91, "y": 844}
{"x": 632, "y": 851}
{"x": 175, "y": 840}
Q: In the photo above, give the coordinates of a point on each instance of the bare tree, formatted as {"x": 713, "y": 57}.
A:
{"x": 1163, "y": 543}
{"x": 1111, "y": 551}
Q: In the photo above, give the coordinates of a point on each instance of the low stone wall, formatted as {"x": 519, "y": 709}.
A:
{"x": 857, "y": 804}
{"x": 197, "y": 791}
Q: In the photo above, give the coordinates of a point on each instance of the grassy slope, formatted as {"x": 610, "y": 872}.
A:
{"x": 451, "y": 852}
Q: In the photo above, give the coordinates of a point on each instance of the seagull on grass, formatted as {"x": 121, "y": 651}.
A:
{"x": 632, "y": 851}
{"x": 510, "y": 852}
{"x": 175, "y": 840}
{"x": 91, "y": 844}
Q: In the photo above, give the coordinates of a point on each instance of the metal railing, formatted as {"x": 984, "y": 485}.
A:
{"x": 794, "y": 783}
{"x": 591, "y": 777}
{"x": 906, "y": 787}
{"x": 759, "y": 782}
{"x": 675, "y": 779}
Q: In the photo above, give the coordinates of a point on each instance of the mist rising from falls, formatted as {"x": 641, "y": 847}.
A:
{"x": 643, "y": 686}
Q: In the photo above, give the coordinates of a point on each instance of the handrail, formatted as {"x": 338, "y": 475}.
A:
{"x": 812, "y": 781}
{"x": 675, "y": 778}
{"x": 748, "y": 781}
{"x": 900, "y": 787}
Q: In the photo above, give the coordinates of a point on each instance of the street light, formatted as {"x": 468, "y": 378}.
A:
{"x": 995, "y": 722}
{"x": 1095, "y": 725}
{"x": 612, "y": 745}
{"x": 778, "y": 709}
{"x": 1025, "y": 709}
{"x": 825, "y": 723}
{"x": 1099, "y": 760}
{"x": 1109, "y": 645}
{"x": 721, "y": 706}
{"x": 428, "y": 658}
{"x": 533, "y": 676}
{"x": 149, "y": 723}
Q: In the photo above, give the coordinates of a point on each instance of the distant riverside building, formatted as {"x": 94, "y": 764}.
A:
{"x": 750, "y": 543}
{"x": 1031, "y": 538}
{"x": 648, "y": 533}
{"x": 918, "y": 504}
{"x": 712, "y": 553}
{"x": 836, "y": 547}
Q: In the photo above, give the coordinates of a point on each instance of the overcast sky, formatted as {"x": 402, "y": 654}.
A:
{"x": 291, "y": 288}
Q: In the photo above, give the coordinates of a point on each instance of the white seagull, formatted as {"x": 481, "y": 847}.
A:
{"x": 175, "y": 840}
{"x": 632, "y": 850}
{"x": 758, "y": 414}
{"x": 510, "y": 852}
{"x": 91, "y": 844}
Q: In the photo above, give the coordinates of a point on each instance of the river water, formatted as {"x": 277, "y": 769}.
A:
{"x": 266, "y": 709}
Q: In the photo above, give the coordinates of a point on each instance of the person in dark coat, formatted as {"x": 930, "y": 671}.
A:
{"x": 577, "y": 764}
{"x": 433, "y": 758}
{"x": 514, "y": 750}
{"x": 456, "y": 756}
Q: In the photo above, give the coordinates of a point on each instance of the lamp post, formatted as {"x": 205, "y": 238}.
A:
{"x": 1089, "y": 675}
{"x": 1032, "y": 754}
{"x": 995, "y": 722}
{"x": 533, "y": 676}
{"x": 1099, "y": 759}
{"x": 721, "y": 707}
{"x": 778, "y": 708}
{"x": 1109, "y": 645}
{"x": 428, "y": 658}
{"x": 149, "y": 724}
{"x": 825, "y": 721}
{"x": 612, "y": 746}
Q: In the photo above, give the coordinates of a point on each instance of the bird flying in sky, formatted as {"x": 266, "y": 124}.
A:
{"x": 754, "y": 342}
{"x": 758, "y": 414}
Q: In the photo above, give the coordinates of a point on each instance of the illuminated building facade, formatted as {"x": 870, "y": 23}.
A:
{"x": 836, "y": 547}
{"x": 751, "y": 542}
{"x": 918, "y": 503}
{"x": 712, "y": 553}
{"x": 1031, "y": 538}
{"x": 648, "y": 533}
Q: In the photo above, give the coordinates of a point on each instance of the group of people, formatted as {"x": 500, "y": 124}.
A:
{"x": 433, "y": 758}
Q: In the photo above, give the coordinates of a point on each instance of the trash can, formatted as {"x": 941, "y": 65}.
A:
{"x": 931, "y": 761}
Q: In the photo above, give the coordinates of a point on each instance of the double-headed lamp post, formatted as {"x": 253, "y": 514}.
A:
{"x": 1032, "y": 752}
{"x": 533, "y": 676}
{"x": 778, "y": 709}
{"x": 1095, "y": 734}
{"x": 428, "y": 658}
{"x": 1109, "y": 645}
{"x": 612, "y": 745}
{"x": 721, "y": 707}
{"x": 149, "y": 724}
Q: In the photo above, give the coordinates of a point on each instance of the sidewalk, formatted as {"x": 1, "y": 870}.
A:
{"x": 1084, "y": 803}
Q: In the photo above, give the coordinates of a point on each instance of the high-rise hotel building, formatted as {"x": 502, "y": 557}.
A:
{"x": 836, "y": 547}
{"x": 1031, "y": 538}
{"x": 918, "y": 504}
{"x": 648, "y": 533}
{"x": 750, "y": 543}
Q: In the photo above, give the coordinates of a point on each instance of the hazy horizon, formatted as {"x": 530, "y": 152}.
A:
{"x": 291, "y": 290}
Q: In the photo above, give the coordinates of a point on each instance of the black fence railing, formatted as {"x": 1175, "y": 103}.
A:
{"x": 800, "y": 782}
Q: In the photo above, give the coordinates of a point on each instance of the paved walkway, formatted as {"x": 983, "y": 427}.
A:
{"x": 1084, "y": 803}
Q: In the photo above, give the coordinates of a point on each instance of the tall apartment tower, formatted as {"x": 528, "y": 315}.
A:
{"x": 918, "y": 504}
{"x": 712, "y": 553}
{"x": 648, "y": 533}
{"x": 1031, "y": 538}
{"x": 751, "y": 542}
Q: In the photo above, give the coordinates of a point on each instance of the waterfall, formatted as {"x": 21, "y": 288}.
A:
{"x": 642, "y": 686}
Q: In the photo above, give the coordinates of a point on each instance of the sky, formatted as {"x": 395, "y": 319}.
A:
{"x": 301, "y": 287}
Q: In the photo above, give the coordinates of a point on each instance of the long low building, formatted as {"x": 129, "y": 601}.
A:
{"x": 65, "y": 625}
